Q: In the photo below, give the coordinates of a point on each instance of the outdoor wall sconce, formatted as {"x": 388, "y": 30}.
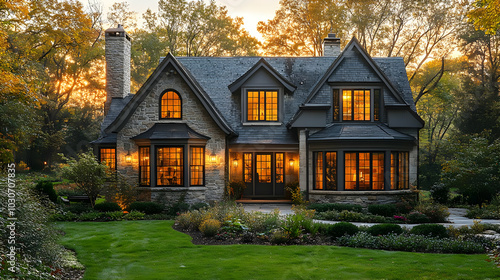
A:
{"x": 128, "y": 158}
{"x": 235, "y": 162}
{"x": 291, "y": 162}
{"x": 213, "y": 158}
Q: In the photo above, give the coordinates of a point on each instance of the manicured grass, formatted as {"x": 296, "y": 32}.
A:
{"x": 153, "y": 250}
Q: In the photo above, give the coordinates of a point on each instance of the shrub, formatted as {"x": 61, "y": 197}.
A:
{"x": 341, "y": 229}
{"x": 134, "y": 215}
{"x": 416, "y": 217}
{"x": 324, "y": 207}
{"x": 119, "y": 190}
{"x": 184, "y": 220}
{"x": 433, "y": 230}
{"x": 235, "y": 190}
{"x": 64, "y": 217}
{"x": 91, "y": 216}
{"x": 147, "y": 207}
{"x": 350, "y": 216}
{"x": 113, "y": 216}
{"x": 440, "y": 193}
{"x": 385, "y": 229}
{"x": 47, "y": 188}
{"x": 297, "y": 197}
{"x": 279, "y": 237}
{"x": 198, "y": 206}
{"x": 78, "y": 208}
{"x": 107, "y": 207}
{"x": 437, "y": 213}
{"x": 386, "y": 210}
{"x": 210, "y": 227}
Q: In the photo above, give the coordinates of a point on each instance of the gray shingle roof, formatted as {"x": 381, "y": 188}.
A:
{"x": 353, "y": 131}
{"x": 165, "y": 131}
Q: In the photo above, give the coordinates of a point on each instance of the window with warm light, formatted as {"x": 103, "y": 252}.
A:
{"x": 170, "y": 166}
{"x": 263, "y": 168}
{"x": 107, "y": 156}
{"x": 144, "y": 166}
{"x": 197, "y": 166}
{"x": 247, "y": 167}
{"x": 325, "y": 171}
{"x": 280, "y": 170}
{"x": 171, "y": 106}
{"x": 356, "y": 104}
{"x": 364, "y": 171}
{"x": 400, "y": 178}
{"x": 262, "y": 106}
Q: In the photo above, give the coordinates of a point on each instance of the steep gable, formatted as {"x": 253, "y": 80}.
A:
{"x": 169, "y": 64}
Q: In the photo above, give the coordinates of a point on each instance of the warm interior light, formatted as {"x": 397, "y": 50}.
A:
{"x": 213, "y": 158}
{"x": 235, "y": 162}
{"x": 128, "y": 158}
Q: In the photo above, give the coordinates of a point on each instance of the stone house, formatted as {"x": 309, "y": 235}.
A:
{"x": 344, "y": 125}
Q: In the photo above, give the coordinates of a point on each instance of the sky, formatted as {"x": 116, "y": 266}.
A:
{"x": 252, "y": 11}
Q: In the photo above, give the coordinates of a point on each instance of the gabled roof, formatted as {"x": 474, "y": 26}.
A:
{"x": 170, "y": 131}
{"x": 262, "y": 64}
{"x": 355, "y": 46}
{"x": 139, "y": 97}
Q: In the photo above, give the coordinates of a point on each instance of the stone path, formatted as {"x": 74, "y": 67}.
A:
{"x": 457, "y": 215}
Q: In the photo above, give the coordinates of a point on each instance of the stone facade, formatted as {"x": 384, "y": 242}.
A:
{"x": 364, "y": 198}
{"x": 196, "y": 117}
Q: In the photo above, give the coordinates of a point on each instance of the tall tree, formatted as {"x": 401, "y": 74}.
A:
{"x": 187, "y": 28}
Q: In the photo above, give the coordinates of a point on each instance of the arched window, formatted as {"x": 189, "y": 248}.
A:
{"x": 170, "y": 105}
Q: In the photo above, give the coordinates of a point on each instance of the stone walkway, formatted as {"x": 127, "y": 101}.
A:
{"x": 457, "y": 215}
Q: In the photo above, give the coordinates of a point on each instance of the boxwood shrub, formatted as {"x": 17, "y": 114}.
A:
{"x": 341, "y": 229}
{"x": 433, "y": 230}
{"x": 47, "y": 188}
{"x": 324, "y": 207}
{"x": 107, "y": 207}
{"x": 385, "y": 229}
{"x": 386, "y": 210}
{"x": 146, "y": 207}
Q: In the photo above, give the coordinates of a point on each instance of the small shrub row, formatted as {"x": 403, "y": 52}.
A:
{"x": 411, "y": 243}
{"x": 486, "y": 212}
{"x": 146, "y": 207}
{"x": 324, "y": 207}
{"x": 349, "y": 216}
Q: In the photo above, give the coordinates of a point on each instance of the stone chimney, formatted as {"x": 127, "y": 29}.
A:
{"x": 117, "y": 52}
{"x": 331, "y": 45}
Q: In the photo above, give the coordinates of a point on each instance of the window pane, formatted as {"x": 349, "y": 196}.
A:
{"x": 197, "y": 167}
{"x": 394, "y": 168}
{"x": 347, "y": 105}
{"x": 279, "y": 168}
{"x": 262, "y": 106}
{"x": 331, "y": 171}
{"x": 170, "y": 166}
{"x": 247, "y": 161}
{"x": 108, "y": 157}
{"x": 144, "y": 166}
{"x": 350, "y": 171}
{"x": 376, "y": 104}
{"x": 364, "y": 171}
{"x": 318, "y": 167}
{"x": 403, "y": 180}
{"x": 336, "y": 108}
{"x": 170, "y": 105}
{"x": 263, "y": 168}
{"x": 378, "y": 171}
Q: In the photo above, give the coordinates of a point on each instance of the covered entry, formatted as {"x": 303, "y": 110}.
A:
{"x": 265, "y": 174}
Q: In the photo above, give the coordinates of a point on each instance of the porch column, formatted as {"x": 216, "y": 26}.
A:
{"x": 303, "y": 159}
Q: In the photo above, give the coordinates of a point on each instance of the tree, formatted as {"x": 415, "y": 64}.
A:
{"x": 486, "y": 16}
{"x": 186, "y": 28}
{"x": 119, "y": 13}
{"x": 88, "y": 174}
{"x": 474, "y": 168}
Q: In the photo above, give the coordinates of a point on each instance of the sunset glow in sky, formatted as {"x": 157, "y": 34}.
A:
{"x": 252, "y": 11}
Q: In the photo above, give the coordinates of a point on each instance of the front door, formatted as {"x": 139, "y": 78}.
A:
{"x": 264, "y": 174}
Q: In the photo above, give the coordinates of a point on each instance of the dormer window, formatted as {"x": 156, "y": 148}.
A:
{"x": 262, "y": 106}
{"x": 170, "y": 105}
{"x": 356, "y": 104}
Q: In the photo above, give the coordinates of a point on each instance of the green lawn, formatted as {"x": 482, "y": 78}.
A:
{"x": 153, "y": 250}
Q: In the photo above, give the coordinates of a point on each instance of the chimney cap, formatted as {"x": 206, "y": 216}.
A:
{"x": 117, "y": 32}
{"x": 331, "y": 37}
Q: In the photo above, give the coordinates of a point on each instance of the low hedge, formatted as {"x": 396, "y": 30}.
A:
{"x": 341, "y": 229}
{"x": 324, "y": 207}
{"x": 107, "y": 207}
{"x": 146, "y": 207}
{"x": 385, "y": 229}
{"x": 386, "y": 210}
{"x": 433, "y": 230}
